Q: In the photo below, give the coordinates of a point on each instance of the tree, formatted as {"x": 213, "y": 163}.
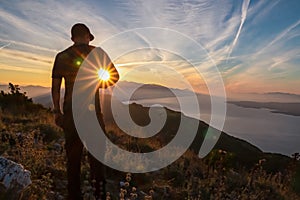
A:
{"x": 296, "y": 156}
{"x": 16, "y": 101}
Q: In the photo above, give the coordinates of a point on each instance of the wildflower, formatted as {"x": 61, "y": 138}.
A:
{"x": 151, "y": 192}
{"x": 261, "y": 161}
{"x": 128, "y": 174}
{"x": 133, "y": 189}
{"x": 126, "y": 184}
{"x": 122, "y": 195}
{"x": 128, "y": 178}
{"x": 147, "y": 197}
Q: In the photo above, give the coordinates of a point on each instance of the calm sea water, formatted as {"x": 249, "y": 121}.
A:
{"x": 271, "y": 132}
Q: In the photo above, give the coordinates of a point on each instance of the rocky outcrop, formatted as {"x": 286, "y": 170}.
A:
{"x": 13, "y": 178}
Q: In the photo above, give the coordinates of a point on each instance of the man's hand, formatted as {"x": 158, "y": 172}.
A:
{"x": 59, "y": 119}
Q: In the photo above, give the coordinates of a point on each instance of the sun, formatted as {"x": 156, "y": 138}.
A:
{"x": 103, "y": 75}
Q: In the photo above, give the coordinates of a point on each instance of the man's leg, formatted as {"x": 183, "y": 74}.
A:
{"x": 97, "y": 168}
{"x": 74, "y": 149}
{"x": 98, "y": 177}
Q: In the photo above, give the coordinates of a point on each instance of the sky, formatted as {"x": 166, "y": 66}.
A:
{"x": 255, "y": 45}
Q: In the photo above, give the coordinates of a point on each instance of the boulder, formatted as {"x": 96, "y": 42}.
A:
{"x": 13, "y": 178}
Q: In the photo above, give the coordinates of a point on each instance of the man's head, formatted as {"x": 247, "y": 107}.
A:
{"x": 81, "y": 33}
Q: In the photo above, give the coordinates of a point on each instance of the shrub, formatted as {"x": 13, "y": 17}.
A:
{"x": 17, "y": 102}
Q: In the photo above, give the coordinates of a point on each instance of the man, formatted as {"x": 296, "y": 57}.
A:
{"x": 65, "y": 67}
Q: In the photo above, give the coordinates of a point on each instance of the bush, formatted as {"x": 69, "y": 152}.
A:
{"x": 17, "y": 102}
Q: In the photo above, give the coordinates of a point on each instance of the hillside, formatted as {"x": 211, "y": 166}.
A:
{"x": 234, "y": 170}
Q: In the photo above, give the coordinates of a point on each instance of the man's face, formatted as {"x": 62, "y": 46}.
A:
{"x": 87, "y": 38}
{"x": 82, "y": 39}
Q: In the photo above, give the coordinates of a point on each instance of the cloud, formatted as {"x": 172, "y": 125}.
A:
{"x": 22, "y": 69}
{"x": 279, "y": 62}
{"x": 15, "y": 54}
{"x": 239, "y": 36}
{"x": 280, "y": 36}
{"x": 243, "y": 19}
{"x": 203, "y": 21}
{"x": 47, "y": 24}
{"x": 6, "y": 45}
{"x": 27, "y": 46}
{"x": 260, "y": 10}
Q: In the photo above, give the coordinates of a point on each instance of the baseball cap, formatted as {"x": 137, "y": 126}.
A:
{"x": 80, "y": 29}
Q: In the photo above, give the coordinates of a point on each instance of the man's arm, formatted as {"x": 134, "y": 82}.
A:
{"x": 114, "y": 74}
{"x": 55, "y": 90}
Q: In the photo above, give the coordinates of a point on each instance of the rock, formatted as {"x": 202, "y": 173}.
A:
{"x": 13, "y": 178}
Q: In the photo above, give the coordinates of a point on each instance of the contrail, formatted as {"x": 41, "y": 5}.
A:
{"x": 6, "y": 45}
{"x": 243, "y": 19}
{"x": 26, "y": 45}
{"x": 279, "y": 37}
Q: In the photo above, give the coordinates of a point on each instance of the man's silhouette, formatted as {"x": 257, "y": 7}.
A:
{"x": 65, "y": 67}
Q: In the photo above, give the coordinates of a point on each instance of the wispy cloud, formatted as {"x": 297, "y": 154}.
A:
{"x": 6, "y": 45}
{"x": 26, "y": 45}
{"x": 280, "y": 36}
{"x": 279, "y": 60}
{"x": 20, "y": 55}
{"x": 243, "y": 19}
{"x": 22, "y": 69}
{"x": 235, "y": 34}
{"x": 38, "y": 23}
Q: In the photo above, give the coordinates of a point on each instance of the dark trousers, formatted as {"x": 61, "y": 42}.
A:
{"x": 74, "y": 149}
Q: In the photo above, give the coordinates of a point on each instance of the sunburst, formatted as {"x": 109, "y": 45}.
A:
{"x": 103, "y": 74}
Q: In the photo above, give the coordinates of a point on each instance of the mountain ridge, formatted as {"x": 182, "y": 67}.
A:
{"x": 276, "y": 107}
{"x": 37, "y": 90}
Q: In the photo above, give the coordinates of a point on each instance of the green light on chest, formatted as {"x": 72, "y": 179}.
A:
{"x": 78, "y": 61}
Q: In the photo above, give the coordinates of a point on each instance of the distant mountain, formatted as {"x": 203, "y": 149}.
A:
{"x": 276, "y": 107}
{"x": 46, "y": 99}
{"x": 31, "y": 90}
{"x": 144, "y": 91}
{"x": 290, "y": 104}
{"x": 39, "y": 94}
{"x": 281, "y": 97}
{"x": 283, "y": 94}
{"x": 151, "y": 91}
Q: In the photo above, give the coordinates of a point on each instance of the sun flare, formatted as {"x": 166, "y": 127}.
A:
{"x": 103, "y": 75}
